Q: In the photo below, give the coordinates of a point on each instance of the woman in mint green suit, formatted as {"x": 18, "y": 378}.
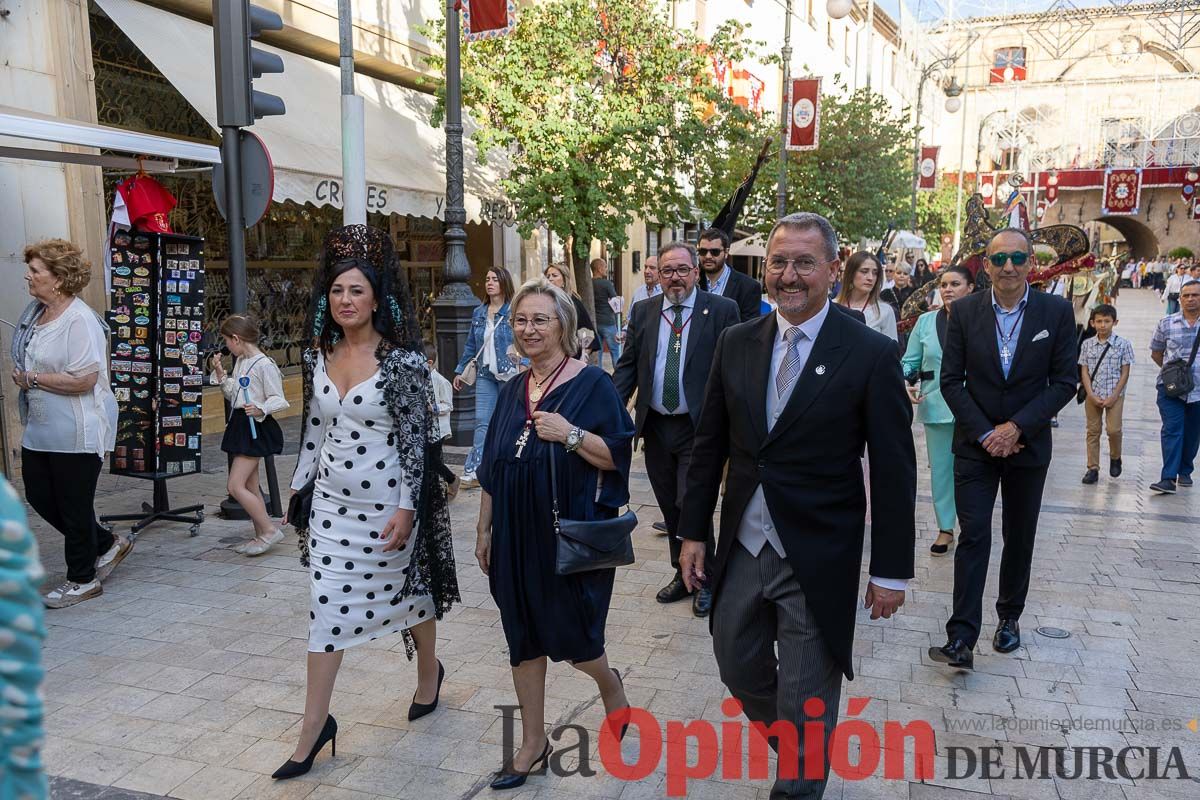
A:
{"x": 922, "y": 364}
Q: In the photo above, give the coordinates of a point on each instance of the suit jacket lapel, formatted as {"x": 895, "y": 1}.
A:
{"x": 699, "y": 326}
{"x": 828, "y": 352}
{"x": 758, "y": 373}
{"x": 650, "y": 338}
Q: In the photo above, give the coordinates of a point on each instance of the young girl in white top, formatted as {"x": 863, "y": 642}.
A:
{"x": 861, "y": 282}
{"x": 255, "y": 391}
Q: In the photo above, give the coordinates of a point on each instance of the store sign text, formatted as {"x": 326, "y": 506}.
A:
{"x": 330, "y": 191}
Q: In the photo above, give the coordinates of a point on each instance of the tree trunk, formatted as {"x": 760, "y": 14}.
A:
{"x": 581, "y": 267}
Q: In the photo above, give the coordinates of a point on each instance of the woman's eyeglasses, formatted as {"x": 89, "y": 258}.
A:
{"x": 539, "y": 322}
{"x": 1018, "y": 257}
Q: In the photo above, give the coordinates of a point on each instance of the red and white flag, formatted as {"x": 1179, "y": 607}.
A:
{"x": 484, "y": 19}
{"x": 927, "y": 168}
{"x": 987, "y": 188}
{"x": 804, "y": 114}
{"x": 1122, "y": 190}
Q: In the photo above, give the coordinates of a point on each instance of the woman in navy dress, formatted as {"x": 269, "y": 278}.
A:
{"x": 569, "y": 411}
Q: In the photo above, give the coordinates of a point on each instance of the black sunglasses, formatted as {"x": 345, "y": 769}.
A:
{"x": 710, "y": 251}
{"x": 1018, "y": 258}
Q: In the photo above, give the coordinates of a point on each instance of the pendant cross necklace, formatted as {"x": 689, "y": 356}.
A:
{"x": 532, "y": 398}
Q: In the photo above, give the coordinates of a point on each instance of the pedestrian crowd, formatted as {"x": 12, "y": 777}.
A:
{"x": 796, "y": 422}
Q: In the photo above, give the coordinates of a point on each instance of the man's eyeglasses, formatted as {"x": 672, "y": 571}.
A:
{"x": 1018, "y": 258}
{"x": 671, "y": 272}
{"x": 777, "y": 265}
{"x": 710, "y": 251}
{"x": 539, "y": 322}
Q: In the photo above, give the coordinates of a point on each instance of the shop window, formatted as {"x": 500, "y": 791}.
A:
{"x": 1008, "y": 64}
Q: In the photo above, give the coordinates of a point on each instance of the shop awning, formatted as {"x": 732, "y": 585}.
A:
{"x": 405, "y": 156}
{"x": 153, "y": 153}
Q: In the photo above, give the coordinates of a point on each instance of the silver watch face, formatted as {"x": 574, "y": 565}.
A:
{"x": 574, "y": 437}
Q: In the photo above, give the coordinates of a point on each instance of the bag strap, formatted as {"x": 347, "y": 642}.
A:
{"x": 1195, "y": 345}
{"x": 554, "y": 490}
{"x": 1095, "y": 369}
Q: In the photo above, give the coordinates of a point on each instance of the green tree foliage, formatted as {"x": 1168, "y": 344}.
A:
{"x": 601, "y": 108}
{"x": 1180, "y": 252}
{"x": 936, "y": 210}
{"x": 859, "y": 177}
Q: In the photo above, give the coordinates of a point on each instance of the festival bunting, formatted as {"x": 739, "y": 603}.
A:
{"x": 928, "y": 168}
{"x": 804, "y": 107}
{"x": 485, "y": 19}
{"x": 987, "y": 188}
{"x": 1191, "y": 183}
{"x": 1122, "y": 190}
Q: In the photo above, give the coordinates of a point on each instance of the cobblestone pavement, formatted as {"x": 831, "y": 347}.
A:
{"x": 186, "y": 678}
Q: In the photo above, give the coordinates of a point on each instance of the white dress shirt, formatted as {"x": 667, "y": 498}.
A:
{"x": 757, "y": 528}
{"x": 665, "y": 320}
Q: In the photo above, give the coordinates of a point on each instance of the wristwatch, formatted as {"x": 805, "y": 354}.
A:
{"x": 575, "y": 439}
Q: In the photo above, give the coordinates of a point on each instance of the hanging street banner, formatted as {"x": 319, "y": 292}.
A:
{"x": 1196, "y": 209}
{"x": 1051, "y": 191}
{"x": 987, "y": 188}
{"x": 1122, "y": 190}
{"x": 928, "y": 168}
{"x": 485, "y": 19}
{"x": 1191, "y": 182}
{"x": 804, "y": 114}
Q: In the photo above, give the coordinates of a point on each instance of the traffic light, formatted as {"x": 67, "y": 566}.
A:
{"x": 235, "y": 23}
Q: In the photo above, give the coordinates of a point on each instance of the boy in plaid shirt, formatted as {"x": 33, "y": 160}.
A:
{"x": 1105, "y": 359}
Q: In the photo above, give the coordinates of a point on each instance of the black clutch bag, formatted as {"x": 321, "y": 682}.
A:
{"x": 585, "y": 545}
{"x": 299, "y": 513}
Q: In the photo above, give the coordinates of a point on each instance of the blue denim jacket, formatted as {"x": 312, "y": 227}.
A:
{"x": 502, "y": 339}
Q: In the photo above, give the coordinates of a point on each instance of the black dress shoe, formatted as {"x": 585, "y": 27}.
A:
{"x": 661, "y": 527}
{"x": 418, "y": 710}
{"x": 292, "y": 769}
{"x": 673, "y": 592}
{"x": 702, "y": 602}
{"x": 509, "y": 778}
{"x": 1091, "y": 476}
{"x": 1114, "y": 467}
{"x": 955, "y": 653}
{"x": 1008, "y": 636}
{"x": 625, "y": 727}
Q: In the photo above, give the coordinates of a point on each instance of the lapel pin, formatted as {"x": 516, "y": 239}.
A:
{"x": 705, "y": 312}
{"x": 820, "y": 370}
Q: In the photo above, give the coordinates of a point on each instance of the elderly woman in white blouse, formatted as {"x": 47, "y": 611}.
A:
{"x": 69, "y": 412}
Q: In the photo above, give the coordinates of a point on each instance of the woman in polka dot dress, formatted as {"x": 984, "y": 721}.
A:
{"x": 378, "y": 538}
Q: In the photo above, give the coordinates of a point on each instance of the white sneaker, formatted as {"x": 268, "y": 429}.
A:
{"x": 70, "y": 593}
{"x": 468, "y": 481}
{"x": 105, "y": 564}
{"x": 257, "y": 546}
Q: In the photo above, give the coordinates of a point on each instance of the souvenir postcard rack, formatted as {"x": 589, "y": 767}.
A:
{"x": 156, "y": 365}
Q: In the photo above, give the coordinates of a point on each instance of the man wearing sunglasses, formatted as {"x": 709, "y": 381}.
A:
{"x": 1008, "y": 366}
{"x": 718, "y": 277}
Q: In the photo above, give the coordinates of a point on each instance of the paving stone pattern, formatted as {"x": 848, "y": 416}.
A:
{"x": 186, "y": 678}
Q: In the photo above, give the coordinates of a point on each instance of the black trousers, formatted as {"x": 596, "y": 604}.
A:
{"x": 975, "y": 486}
{"x": 61, "y": 487}
{"x": 667, "y": 444}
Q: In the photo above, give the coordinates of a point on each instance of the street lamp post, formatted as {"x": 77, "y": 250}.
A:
{"x": 785, "y": 117}
{"x": 953, "y": 90}
{"x": 455, "y": 304}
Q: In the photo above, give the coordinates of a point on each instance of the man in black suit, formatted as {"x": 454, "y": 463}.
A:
{"x": 1008, "y": 366}
{"x": 793, "y": 400}
{"x": 668, "y": 350}
{"x": 720, "y": 278}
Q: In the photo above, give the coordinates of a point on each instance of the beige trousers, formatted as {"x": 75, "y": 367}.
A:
{"x": 1112, "y": 422}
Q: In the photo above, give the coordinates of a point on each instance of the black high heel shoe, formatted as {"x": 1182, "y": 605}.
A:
{"x": 418, "y": 710}
{"x": 625, "y": 727}
{"x": 509, "y": 778}
{"x": 292, "y": 769}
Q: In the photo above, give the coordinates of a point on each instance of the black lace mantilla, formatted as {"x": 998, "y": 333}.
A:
{"x": 408, "y": 393}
